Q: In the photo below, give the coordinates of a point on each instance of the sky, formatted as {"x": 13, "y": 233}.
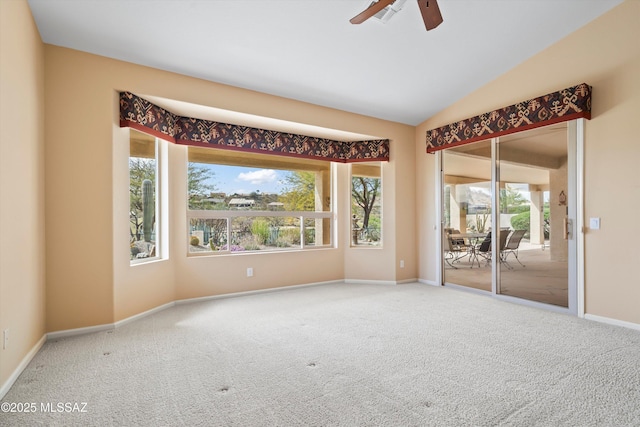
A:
{"x": 244, "y": 180}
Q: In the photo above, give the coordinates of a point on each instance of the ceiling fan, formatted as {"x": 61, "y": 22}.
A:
{"x": 428, "y": 8}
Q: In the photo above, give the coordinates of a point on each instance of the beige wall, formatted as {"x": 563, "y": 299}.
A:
{"x": 63, "y": 178}
{"x": 89, "y": 277}
{"x": 558, "y": 246}
{"x": 22, "y": 204}
{"x": 606, "y": 55}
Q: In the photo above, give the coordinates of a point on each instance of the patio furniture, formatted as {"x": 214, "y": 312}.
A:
{"x": 512, "y": 247}
{"x": 452, "y": 253}
{"x": 458, "y": 241}
{"x": 484, "y": 249}
{"x": 469, "y": 244}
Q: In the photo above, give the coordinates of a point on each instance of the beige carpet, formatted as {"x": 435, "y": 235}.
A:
{"x": 341, "y": 355}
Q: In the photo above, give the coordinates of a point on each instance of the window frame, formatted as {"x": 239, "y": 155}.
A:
{"x": 159, "y": 186}
{"x": 378, "y": 175}
{"x": 283, "y": 163}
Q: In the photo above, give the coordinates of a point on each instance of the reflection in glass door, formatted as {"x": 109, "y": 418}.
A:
{"x": 534, "y": 201}
{"x": 467, "y": 215}
{"x": 512, "y": 234}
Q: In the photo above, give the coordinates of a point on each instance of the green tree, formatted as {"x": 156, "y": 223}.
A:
{"x": 199, "y": 184}
{"x": 364, "y": 192}
{"x": 510, "y": 199}
{"x": 299, "y": 191}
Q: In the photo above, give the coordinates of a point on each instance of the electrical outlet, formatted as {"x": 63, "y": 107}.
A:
{"x": 250, "y": 272}
{"x": 401, "y": 263}
{"x": 5, "y": 339}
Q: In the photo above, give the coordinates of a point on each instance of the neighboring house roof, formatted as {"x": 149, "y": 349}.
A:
{"x": 242, "y": 202}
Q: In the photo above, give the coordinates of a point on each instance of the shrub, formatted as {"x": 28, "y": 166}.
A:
{"x": 290, "y": 235}
{"x": 522, "y": 221}
{"x": 195, "y": 241}
{"x": 135, "y": 250}
{"x": 249, "y": 244}
{"x": 309, "y": 236}
{"x": 260, "y": 230}
{"x": 280, "y": 243}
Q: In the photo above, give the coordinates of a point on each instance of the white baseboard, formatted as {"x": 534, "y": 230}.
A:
{"x": 257, "y": 291}
{"x": 135, "y": 317}
{"x": 71, "y": 333}
{"x": 108, "y": 326}
{"x": 23, "y": 364}
{"x": 428, "y": 282}
{"x": 370, "y": 282}
{"x": 379, "y": 282}
{"x": 402, "y": 282}
{"x": 79, "y": 331}
{"x": 611, "y": 321}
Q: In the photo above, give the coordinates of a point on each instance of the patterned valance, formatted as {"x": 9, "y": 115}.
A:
{"x": 140, "y": 114}
{"x": 568, "y": 104}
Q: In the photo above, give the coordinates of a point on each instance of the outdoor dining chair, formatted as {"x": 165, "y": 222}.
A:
{"x": 512, "y": 247}
{"x": 484, "y": 249}
{"x": 452, "y": 253}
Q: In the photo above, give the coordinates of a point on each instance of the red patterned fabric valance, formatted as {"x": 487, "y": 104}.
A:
{"x": 138, "y": 113}
{"x": 568, "y": 104}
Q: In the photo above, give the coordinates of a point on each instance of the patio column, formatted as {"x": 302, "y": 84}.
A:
{"x": 557, "y": 213}
{"x": 458, "y": 207}
{"x": 536, "y": 230}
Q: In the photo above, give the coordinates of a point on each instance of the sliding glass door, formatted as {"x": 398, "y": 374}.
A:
{"x": 467, "y": 215}
{"x": 535, "y": 199}
{"x": 509, "y": 213}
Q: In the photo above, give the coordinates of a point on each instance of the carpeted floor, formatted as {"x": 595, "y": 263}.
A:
{"x": 340, "y": 355}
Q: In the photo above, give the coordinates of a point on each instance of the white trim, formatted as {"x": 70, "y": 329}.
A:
{"x": 402, "y": 282}
{"x": 162, "y": 226}
{"x": 495, "y": 217}
{"x": 573, "y": 208}
{"x": 439, "y": 224}
{"x": 110, "y": 326}
{"x": 223, "y": 214}
{"x": 107, "y": 326}
{"x": 138, "y": 316}
{"x": 79, "y": 331}
{"x": 257, "y": 291}
{"x": 534, "y": 304}
{"x": 21, "y": 367}
{"x": 614, "y": 322}
{"x": 428, "y": 282}
{"x": 580, "y": 123}
{"x": 370, "y": 282}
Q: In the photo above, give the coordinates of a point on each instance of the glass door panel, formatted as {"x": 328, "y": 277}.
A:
{"x": 533, "y": 202}
{"x": 467, "y": 215}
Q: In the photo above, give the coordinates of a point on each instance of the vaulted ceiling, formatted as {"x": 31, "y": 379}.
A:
{"x": 307, "y": 49}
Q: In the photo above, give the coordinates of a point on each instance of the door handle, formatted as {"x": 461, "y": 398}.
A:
{"x": 568, "y": 226}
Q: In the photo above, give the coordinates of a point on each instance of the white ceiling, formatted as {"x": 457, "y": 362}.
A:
{"x": 307, "y": 49}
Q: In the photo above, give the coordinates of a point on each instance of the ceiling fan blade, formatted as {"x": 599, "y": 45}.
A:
{"x": 370, "y": 11}
{"x": 430, "y": 13}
